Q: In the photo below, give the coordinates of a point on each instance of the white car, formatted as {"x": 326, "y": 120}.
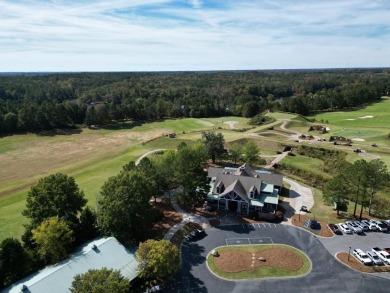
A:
{"x": 384, "y": 256}
{"x": 362, "y": 225}
{"x": 381, "y": 226}
{"x": 354, "y": 228}
{"x": 375, "y": 258}
{"x": 343, "y": 227}
{"x": 371, "y": 225}
{"x": 362, "y": 256}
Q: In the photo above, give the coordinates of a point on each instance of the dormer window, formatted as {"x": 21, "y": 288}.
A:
{"x": 220, "y": 187}
{"x": 252, "y": 192}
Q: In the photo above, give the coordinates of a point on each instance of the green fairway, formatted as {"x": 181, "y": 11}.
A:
{"x": 309, "y": 164}
{"x": 375, "y": 115}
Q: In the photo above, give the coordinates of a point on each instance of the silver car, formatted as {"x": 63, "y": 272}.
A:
{"x": 375, "y": 258}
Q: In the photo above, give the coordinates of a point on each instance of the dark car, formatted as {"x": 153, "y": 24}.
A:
{"x": 387, "y": 249}
{"x": 315, "y": 225}
{"x": 335, "y": 229}
{"x": 303, "y": 208}
{"x": 196, "y": 234}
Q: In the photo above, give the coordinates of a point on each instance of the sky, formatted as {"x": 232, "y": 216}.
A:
{"x": 186, "y": 35}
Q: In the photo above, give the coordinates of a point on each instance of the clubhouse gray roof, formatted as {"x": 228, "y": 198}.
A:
{"x": 245, "y": 171}
{"x": 105, "y": 252}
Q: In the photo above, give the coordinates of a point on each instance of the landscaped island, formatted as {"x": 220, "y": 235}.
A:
{"x": 258, "y": 261}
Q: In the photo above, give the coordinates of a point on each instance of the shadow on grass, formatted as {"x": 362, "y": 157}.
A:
{"x": 129, "y": 124}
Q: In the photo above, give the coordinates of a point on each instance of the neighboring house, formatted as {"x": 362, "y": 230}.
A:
{"x": 105, "y": 252}
{"x": 244, "y": 189}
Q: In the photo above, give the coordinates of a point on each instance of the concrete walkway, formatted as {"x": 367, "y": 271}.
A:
{"x": 298, "y": 196}
{"x": 187, "y": 218}
{"x": 147, "y": 154}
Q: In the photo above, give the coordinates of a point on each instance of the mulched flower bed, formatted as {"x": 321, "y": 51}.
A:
{"x": 357, "y": 265}
{"x": 299, "y": 221}
{"x": 233, "y": 261}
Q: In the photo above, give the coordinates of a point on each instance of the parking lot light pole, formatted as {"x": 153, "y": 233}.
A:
{"x": 349, "y": 252}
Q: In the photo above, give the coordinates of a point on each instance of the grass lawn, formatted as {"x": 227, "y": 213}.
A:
{"x": 312, "y": 165}
{"x": 375, "y": 115}
{"x": 281, "y": 115}
{"x": 275, "y": 268}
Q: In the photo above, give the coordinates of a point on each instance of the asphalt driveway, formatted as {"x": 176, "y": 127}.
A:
{"x": 327, "y": 275}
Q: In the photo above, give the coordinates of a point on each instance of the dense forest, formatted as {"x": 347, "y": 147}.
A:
{"x": 34, "y": 102}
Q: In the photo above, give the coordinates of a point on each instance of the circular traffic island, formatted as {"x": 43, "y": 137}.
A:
{"x": 238, "y": 262}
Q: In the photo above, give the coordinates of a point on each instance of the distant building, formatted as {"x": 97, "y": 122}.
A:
{"x": 244, "y": 189}
{"x": 105, "y": 252}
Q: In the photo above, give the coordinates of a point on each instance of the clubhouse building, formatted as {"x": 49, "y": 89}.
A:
{"x": 244, "y": 189}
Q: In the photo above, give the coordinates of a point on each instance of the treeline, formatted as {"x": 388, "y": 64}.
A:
{"x": 34, "y": 102}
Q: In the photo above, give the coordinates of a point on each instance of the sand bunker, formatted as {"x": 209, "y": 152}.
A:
{"x": 358, "y": 139}
{"x": 231, "y": 123}
{"x": 366, "y": 117}
{"x": 350, "y": 119}
{"x": 205, "y": 123}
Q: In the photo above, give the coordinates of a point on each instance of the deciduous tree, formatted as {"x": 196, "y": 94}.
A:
{"x": 335, "y": 192}
{"x": 235, "y": 152}
{"x": 251, "y": 152}
{"x": 123, "y": 208}
{"x": 100, "y": 281}
{"x": 377, "y": 175}
{"x": 214, "y": 144}
{"x": 54, "y": 240}
{"x": 190, "y": 174}
{"x": 157, "y": 259}
{"x": 55, "y": 195}
{"x": 14, "y": 261}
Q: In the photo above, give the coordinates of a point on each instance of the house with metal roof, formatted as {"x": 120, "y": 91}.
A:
{"x": 104, "y": 252}
{"x": 244, "y": 189}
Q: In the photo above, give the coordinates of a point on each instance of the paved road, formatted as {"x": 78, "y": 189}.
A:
{"x": 327, "y": 275}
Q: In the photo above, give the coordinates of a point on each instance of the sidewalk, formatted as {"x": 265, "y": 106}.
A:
{"x": 204, "y": 222}
{"x": 298, "y": 196}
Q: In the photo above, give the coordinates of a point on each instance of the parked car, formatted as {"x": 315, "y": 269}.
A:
{"x": 371, "y": 225}
{"x": 344, "y": 228}
{"x": 381, "y": 227}
{"x": 196, "y": 234}
{"x": 375, "y": 258}
{"x": 384, "y": 256}
{"x": 303, "y": 209}
{"x": 335, "y": 229}
{"x": 387, "y": 249}
{"x": 362, "y": 256}
{"x": 315, "y": 225}
{"x": 354, "y": 228}
{"x": 362, "y": 226}
{"x": 376, "y": 250}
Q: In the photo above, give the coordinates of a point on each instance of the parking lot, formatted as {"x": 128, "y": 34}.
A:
{"x": 249, "y": 241}
{"x": 327, "y": 274}
{"x": 365, "y": 241}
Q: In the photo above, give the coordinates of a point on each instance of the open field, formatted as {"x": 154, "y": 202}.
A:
{"x": 90, "y": 156}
